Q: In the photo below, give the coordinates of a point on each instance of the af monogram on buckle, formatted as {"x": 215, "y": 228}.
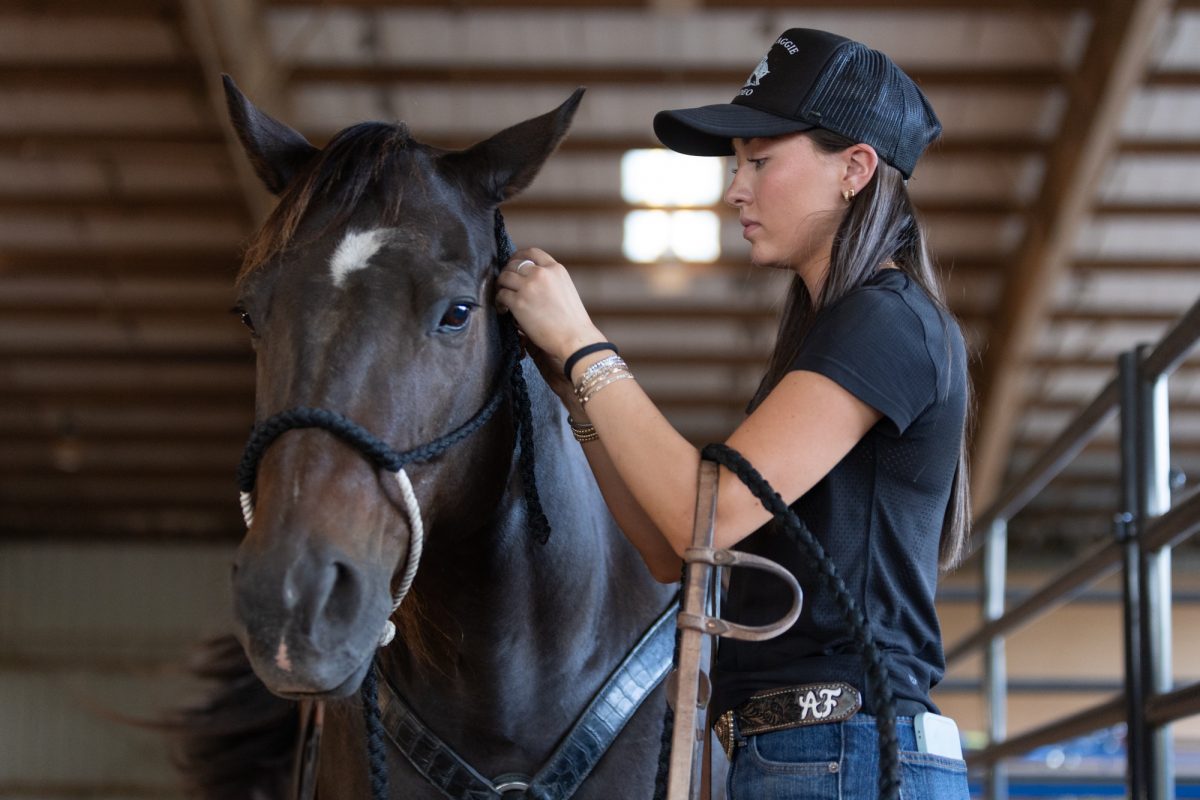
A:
{"x": 780, "y": 709}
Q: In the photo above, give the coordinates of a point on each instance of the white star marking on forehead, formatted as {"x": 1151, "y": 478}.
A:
{"x": 354, "y": 252}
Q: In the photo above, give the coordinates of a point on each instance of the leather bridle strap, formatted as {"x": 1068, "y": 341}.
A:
{"x": 588, "y": 740}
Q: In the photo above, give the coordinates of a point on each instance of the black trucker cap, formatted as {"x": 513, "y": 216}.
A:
{"x": 813, "y": 79}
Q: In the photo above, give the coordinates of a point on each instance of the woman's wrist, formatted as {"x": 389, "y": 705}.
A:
{"x": 582, "y": 339}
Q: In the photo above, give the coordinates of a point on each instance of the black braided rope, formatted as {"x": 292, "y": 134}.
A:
{"x": 376, "y": 742}
{"x": 668, "y": 729}
{"x": 520, "y": 391}
{"x": 877, "y": 678}
{"x": 372, "y": 448}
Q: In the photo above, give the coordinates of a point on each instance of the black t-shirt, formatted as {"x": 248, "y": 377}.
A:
{"x": 878, "y": 513}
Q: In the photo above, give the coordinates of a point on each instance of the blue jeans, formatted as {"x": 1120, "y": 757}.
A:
{"x": 839, "y": 761}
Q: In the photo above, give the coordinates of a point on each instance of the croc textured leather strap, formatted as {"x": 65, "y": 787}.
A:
{"x": 597, "y": 727}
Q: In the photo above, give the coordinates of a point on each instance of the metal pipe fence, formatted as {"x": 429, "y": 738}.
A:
{"x": 1144, "y": 531}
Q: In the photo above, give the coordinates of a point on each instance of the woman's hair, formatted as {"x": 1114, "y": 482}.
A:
{"x": 880, "y": 226}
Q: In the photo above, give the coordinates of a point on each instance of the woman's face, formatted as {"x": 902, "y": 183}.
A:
{"x": 789, "y": 197}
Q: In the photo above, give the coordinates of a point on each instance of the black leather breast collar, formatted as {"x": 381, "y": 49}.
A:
{"x": 575, "y": 757}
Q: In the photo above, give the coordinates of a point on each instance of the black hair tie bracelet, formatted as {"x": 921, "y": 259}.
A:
{"x": 586, "y": 350}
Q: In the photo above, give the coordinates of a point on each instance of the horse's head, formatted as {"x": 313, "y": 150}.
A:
{"x": 368, "y": 293}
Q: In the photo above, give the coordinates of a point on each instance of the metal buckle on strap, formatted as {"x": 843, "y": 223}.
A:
{"x": 723, "y": 728}
{"x": 793, "y": 707}
{"x": 519, "y": 784}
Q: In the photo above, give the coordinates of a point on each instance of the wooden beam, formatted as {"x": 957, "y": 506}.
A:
{"x": 222, "y": 263}
{"x": 1188, "y": 266}
{"x": 1160, "y": 147}
{"x": 740, "y": 5}
{"x": 117, "y": 145}
{"x": 210, "y": 206}
{"x": 1174, "y": 79}
{"x": 227, "y": 37}
{"x": 384, "y": 74}
{"x": 219, "y": 262}
{"x": 90, "y": 526}
{"x": 109, "y": 9}
{"x": 216, "y": 203}
{"x": 98, "y": 75}
{"x": 972, "y": 208}
{"x": 1116, "y": 58}
{"x": 1148, "y": 209}
{"x": 124, "y": 144}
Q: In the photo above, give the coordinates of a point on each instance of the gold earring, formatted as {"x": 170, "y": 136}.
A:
{"x": 848, "y": 195}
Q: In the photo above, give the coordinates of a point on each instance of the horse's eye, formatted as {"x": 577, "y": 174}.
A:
{"x": 246, "y": 319}
{"x": 456, "y": 317}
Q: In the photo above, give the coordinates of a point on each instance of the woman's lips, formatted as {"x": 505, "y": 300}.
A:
{"x": 748, "y": 227}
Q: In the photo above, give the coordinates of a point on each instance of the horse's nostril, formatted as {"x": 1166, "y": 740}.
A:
{"x": 336, "y": 600}
{"x": 345, "y": 595}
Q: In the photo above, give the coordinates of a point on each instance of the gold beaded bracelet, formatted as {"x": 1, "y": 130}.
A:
{"x": 583, "y": 432}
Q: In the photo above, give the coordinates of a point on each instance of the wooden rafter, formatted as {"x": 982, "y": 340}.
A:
{"x": 227, "y": 37}
{"x": 1115, "y": 60}
{"x": 485, "y": 74}
{"x": 742, "y": 5}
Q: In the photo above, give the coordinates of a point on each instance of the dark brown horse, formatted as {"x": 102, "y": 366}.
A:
{"x": 368, "y": 294}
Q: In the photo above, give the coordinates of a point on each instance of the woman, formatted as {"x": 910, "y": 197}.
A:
{"x": 858, "y": 422}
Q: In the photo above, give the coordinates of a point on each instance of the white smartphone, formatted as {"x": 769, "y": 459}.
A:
{"x": 937, "y": 735}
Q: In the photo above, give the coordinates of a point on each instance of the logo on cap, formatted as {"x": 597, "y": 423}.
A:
{"x": 759, "y": 73}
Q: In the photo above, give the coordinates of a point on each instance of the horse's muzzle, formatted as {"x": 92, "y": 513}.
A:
{"x": 309, "y": 621}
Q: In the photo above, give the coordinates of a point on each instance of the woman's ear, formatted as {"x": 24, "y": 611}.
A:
{"x": 861, "y": 161}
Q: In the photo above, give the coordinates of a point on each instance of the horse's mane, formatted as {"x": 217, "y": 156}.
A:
{"x": 239, "y": 743}
{"x": 358, "y": 159}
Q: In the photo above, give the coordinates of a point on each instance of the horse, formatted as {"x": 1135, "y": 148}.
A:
{"x": 368, "y": 295}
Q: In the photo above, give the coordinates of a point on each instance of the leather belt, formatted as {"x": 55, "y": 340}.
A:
{"x": 793, "y": 707}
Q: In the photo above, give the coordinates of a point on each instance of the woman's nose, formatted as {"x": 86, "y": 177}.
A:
{"x": 736, "y": 195}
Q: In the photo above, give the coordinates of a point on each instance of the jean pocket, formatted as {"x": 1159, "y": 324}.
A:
{"x": 924, "y": 776}
{"x": 766, "y": 773}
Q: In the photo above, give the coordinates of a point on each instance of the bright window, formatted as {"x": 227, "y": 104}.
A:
{"x": 673, "y": 185}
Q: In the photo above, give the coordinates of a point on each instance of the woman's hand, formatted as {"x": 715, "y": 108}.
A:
{"x": 539, "y": 293}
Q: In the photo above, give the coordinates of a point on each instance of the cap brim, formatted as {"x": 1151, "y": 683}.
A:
{"x": 708, "y": 130}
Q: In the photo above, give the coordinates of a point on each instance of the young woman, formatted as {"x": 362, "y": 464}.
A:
{"x": 858, "y": 422}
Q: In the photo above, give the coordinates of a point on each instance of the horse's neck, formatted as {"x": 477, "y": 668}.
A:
{"x": 511, "y": 622}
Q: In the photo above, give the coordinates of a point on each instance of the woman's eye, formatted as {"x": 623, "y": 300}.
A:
{"x": 456, "y": 317}
{"x": 754, "y": 162}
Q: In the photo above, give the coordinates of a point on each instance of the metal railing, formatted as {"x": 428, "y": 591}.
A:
{"x": 1144, "y": 532}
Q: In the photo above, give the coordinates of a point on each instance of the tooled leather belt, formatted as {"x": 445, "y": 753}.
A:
{"x": 793, "y": 707}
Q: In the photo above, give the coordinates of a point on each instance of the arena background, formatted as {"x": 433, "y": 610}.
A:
{"x": 1063, "y": 203}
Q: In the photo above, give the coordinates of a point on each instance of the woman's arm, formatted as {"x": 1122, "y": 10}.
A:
{"x": 662, "y": 561}
{"x": 804, "y": 427}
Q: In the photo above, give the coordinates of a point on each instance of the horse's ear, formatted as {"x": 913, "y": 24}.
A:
{"x": 276, "y": 151}
{"x": 505, "y": 164}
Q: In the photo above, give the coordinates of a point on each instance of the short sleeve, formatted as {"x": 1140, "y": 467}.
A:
{"x": 872, "y": 344}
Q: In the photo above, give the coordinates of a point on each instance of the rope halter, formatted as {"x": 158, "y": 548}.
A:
{"x": 510, "y": 378}
{"x": 375, "y": 451}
